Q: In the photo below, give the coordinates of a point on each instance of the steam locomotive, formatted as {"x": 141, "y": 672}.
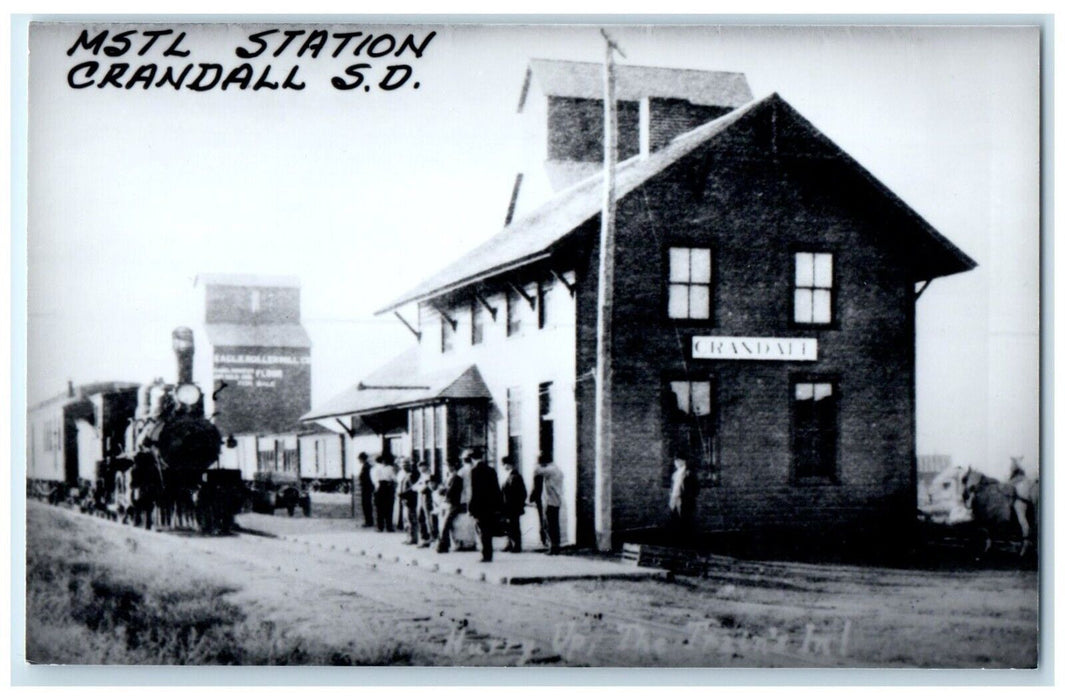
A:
{"x": 160, "y": 465}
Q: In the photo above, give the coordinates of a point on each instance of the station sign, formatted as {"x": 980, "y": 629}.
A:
{"x": 709, "y": 347}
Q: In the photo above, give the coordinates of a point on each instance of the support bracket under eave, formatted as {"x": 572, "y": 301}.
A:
{"x": 570, "y": 286}
{"x": 920, "y": 290}
{"x": 525, "y": 295}
{"x": 488, "y": 307}
{"x": 444, "y": 315}
{"x": 412, "y": 329}
{"x": 349, "y": 431}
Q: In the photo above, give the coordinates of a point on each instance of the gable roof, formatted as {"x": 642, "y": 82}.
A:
{"x": 534, "y": 236}
{"x": 585, "y": 80}
{"x": 399, "y": 383}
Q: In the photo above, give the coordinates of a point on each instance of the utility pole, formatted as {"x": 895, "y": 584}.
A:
{"x": 604, "y": 438}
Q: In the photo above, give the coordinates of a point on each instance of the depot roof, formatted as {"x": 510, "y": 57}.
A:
{"x": 534, "y": 236}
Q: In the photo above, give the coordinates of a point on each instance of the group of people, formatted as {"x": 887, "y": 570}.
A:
{"x": 402, "y": 494}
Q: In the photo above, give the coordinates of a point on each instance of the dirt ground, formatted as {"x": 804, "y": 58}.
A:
{"x": 745, "y": 613}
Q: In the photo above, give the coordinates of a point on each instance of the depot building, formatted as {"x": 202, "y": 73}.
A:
{"x": 763, "y": 321}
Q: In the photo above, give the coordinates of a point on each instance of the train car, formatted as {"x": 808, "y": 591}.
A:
{"x": 91, "y": 415}
{"x": 241, "y": 452}
{"x": 322, "y": 464}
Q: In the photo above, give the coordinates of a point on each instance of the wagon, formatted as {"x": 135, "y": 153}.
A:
{"x": 273, "y": 490}
{"x": 972, "y": 538}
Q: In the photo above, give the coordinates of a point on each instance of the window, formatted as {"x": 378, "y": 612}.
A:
{"x": 426, "y": 416}
{"x": 814, "y": 412}
{"x": 268, "y": 456}
{"x": 691, "y": 425}
{"x": 416, "y": 434}
{"x": 542, "y": 290}
{"x": 438, "y": 439}
{"x": 447, "y": 335}
{"x": 813, "y": 288}
{"x": 391, "y": 446}
{"x": 467, "y": 429}
{"x": 547, "y": 423}
{"x": 291, "y": 460}
{"x": 514, "y": 312}
{"x": 256, "y": 301}
{"x": 689, "y": 283}
{"x": 476, "y": 323}
{"x": 514, "y": 423}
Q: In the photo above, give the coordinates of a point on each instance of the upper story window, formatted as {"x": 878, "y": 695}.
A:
{"x": 689, "y": 283}
{"x": 520, "y": 307}
{"x": 513, "y": 312}
{"x": 476, "y": 323}
{"x": 813, "y": 288}
{"x": 256, "y": 301}
{"x": 542, "y": 291}
{"x": 447, "y": 335}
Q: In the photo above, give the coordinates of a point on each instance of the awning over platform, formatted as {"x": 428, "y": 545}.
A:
{"x": 399, "y": 384}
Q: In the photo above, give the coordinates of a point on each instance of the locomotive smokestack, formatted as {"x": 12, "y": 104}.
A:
{"x": 184, "y": 348}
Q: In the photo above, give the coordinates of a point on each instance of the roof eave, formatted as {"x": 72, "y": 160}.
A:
{"x": 473, "y": 279}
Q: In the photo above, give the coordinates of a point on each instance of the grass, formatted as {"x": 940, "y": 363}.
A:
{"x": 84, "y": 607}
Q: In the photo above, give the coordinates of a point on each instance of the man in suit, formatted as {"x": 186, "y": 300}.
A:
{"x": 366, "y": 488}
{"x": 485, "y": 501}
{"x": 452, "y": 502}
{"x": 514, "y": 495}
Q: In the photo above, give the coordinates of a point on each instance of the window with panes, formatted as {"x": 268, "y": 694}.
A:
{"x": 691, "y": 425}
{"x": 416, "y": 435}
{"x": 814, "y": 288}
{"x": 439, "y": 431}
{"x": 476, "y": 323}
{"x": 447, "y": 335}
{"x": 514, "y": 423}
{"x": 814, "y": 430}
{"x": 514, "y": 312}
{"x": 547, "y": 422}
{"x": 690, "y": 282}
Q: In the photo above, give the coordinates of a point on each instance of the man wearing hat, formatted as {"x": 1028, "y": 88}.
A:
{"x": 384, "y": 492}
{"x": 514, "y": 495}
{"x": 366, "y": 488}
{"x": 485, "y": 501}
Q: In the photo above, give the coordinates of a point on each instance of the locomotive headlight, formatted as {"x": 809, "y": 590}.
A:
{"x": 187, "y": 394}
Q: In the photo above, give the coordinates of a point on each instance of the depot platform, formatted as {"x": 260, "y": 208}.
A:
{"x": 506, "y": 568}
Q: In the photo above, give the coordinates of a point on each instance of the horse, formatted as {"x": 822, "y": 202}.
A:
{"x": 1009, "y": 505}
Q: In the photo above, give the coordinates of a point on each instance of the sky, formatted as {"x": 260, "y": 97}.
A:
{"x": 361, "y": 194}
